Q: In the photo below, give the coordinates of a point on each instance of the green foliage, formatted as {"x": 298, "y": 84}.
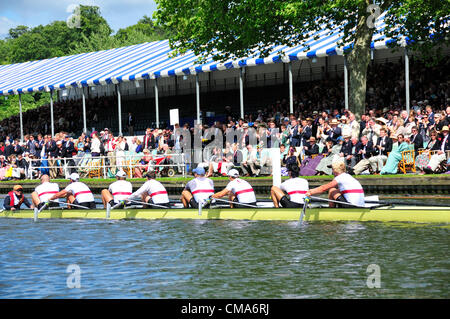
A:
{"x": 9, "y": 105}
{"x": 57, "y": 39}
{"x": 241, "y": 28}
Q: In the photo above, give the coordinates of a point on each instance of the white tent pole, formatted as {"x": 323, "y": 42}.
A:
{"x": 291, "y": 89}
{"x": 197, "y": 90}
{"x": 346, "y": 83}
{"x": 157, "y": 103}
{"x": 241, "y": 91}
{"x": 407, "y": 80}
{"x": 119, "y": 106}
{"x": 21, "y": 120}
{"x": 84, "y": 111}
{"x": 51, "y": 113}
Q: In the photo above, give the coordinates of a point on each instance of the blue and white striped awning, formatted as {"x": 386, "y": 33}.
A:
{"x": 150, "y": 61}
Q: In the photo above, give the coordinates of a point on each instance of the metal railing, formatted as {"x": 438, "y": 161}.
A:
{"x": 106, "y": 166}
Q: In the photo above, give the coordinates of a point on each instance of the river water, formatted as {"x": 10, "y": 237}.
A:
{"x": 222, "y": 259}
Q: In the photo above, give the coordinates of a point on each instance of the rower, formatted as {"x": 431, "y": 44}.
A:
{"x": 152, "y": 192}
{"x": 77, "y": 193}
{"x": 43, "y": 192}
{"x": 198, "y": 189}
{"x": 343, "y": 188}
{"x": 238, "y": 191}
{"x": 295, "y": 187}
{"x": 117, "y": 191}
{"x": 15, "y": 199}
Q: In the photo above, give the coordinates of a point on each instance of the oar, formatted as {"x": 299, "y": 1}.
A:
{"x": 335, "y": 201}
{"x": 67, "y": 204}
{"x": 305, "y": 204}
{"x": 37, "y": 212}
{"x": 235, "y": 203}
{"x": 143, "y": 203}
{"x": 384, "y": 203}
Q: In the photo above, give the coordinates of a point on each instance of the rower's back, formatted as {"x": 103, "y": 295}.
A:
{"x": 201, "y": 188}
{"x": 46, "y": 190}
{"x": 296, "y": 188}
{"x": 157, "y": 191}
{"x": 351, "y": 189}
{"x": 242, "y": 190}
{"x": 81, "y": 192}
{"x": 120, "y": 190}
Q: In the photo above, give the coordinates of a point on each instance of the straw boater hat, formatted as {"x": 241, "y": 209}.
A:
{"x": 382, "y": 120}
{"x": 445, "y": 128}
{"x": 334, "y": 121}
{"x": 312, "y": 139}
{"x": 343, "y": 117}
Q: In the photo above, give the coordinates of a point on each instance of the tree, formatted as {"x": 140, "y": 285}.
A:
{"x": 238, "y": 29}
{"x": 16, "y": 32}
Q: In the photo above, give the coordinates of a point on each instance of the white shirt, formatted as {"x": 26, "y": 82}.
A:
{"x": 120, "y": 190}
{"x": 81, "y": 192}
{"x": 46, "y": 190}
{"x": 155, "y": 189}
{"x": 242, "y": 190}
{"x": 201, "y": 188}
{"x": 95, "y": 145}
{"x": 351, "y": 189}
{"x": 296, "y": 189}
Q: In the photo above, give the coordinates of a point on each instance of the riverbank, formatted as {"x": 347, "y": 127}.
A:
{"x": 438, "y": 184}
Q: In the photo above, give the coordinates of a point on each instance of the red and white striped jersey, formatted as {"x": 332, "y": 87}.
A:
{"x": 296, "y": 189}
{"x": 201, "y": 188}
{"x": 155, "y": 189}
{"x": 46, "y": 190}
{"x": 242, "y": 190}
{"x": 351, "y": 189}
{"x": 81, "y": 192}
{"x": 120, "y": 190}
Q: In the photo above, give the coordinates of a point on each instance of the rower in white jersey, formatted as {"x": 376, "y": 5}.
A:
{"x": 295, "y": 187}
{"x": 77, "y": 193}
{"x": 117, "y": 191}
{"x": 198, "y": 189}
{"x": 238, "y": 191}
{"x": 43, "y": 192}
{"x": 152, "y": 192}
{"x": 343, "y": 188}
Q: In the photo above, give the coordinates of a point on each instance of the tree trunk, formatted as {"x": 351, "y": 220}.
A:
{"x": 358, "y": 60}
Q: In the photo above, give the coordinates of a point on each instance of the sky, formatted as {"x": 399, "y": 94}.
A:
{"x": 118, "y": 13}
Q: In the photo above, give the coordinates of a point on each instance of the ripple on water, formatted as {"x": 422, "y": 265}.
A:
{"x": 221, "y": 259}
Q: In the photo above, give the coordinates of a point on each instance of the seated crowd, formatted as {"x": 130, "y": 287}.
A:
{"x": 318, "y": 133}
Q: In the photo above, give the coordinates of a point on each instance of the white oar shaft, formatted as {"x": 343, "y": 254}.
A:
{"x": 143, "y": 203}
{"x": 67, "y": 204}
{"x": 335, "y": 201}
{"x": 236, "y": 203}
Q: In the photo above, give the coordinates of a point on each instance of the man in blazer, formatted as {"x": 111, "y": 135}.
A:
{"x": 381, "y": 150}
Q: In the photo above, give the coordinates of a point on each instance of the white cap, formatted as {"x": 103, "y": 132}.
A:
{"x": 233, "y": 173}
{"x": 121, "y": 174}
{"x": 74, "y": 176}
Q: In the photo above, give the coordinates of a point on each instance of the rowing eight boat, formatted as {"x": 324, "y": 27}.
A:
{"x": 418, "y": 214}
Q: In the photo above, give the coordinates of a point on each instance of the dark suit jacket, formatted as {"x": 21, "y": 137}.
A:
{"x": 51, "y": 149}
{"x": 312, "y": 149}
{"x": 296, "y": 137}
{"x": 368, "y": 148}
{"x": 417, "y": 140}
{"x": 334, "y": 134}
{"x": 387, "y": 146}
{"x": 347, "y": 148}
